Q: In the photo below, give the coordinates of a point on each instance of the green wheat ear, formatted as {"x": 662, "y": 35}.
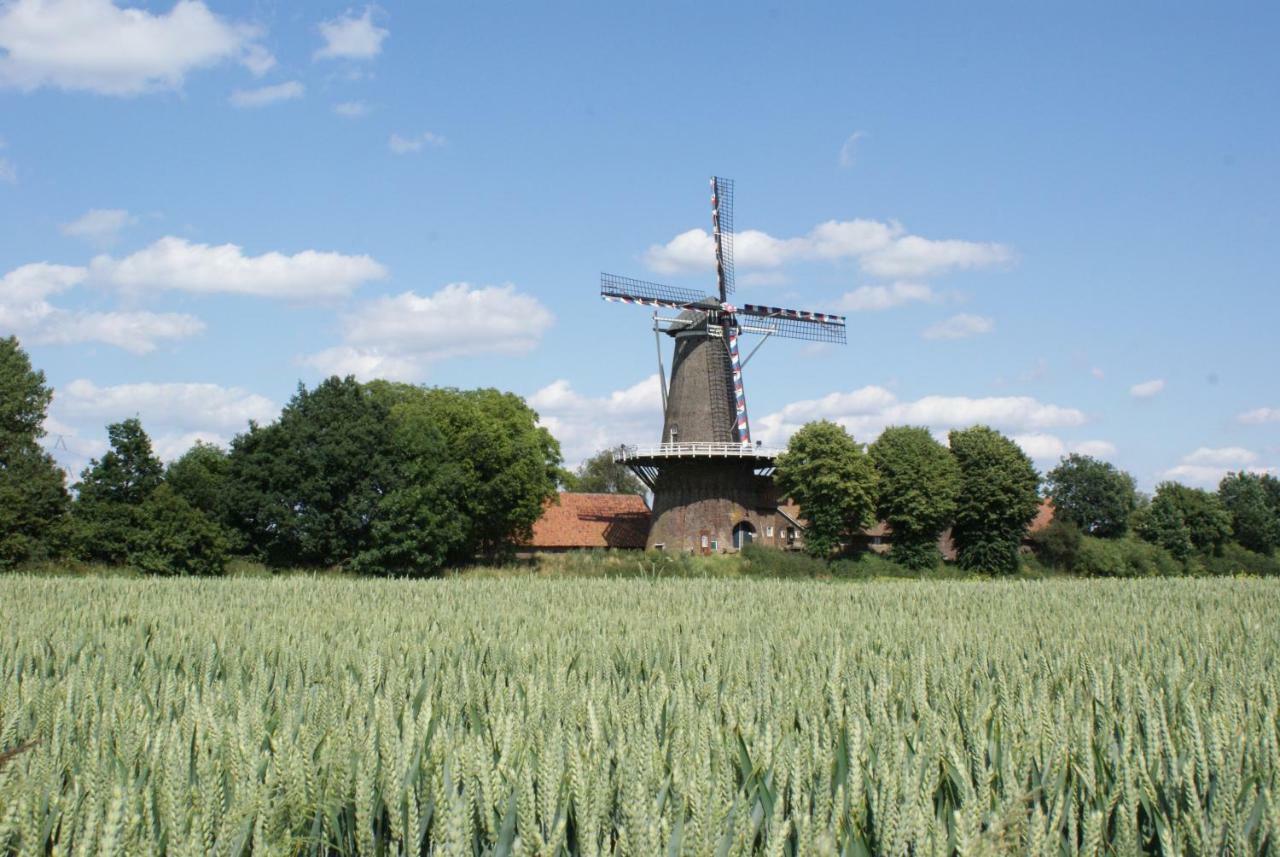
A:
{"x": 576, "y": 717}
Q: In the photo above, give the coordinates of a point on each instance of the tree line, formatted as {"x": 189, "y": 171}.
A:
{"x": 986, "y": 489}
{"x": 378, "y": 478}
{"x": 389, "y": 478}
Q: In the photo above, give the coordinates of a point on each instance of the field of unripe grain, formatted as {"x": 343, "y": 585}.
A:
{"x": 719, "y": 717}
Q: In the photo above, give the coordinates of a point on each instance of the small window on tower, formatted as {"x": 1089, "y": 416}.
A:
{"x": 660, "y": 546}
{"x": 704, "y": 542}
{"x": 768, "y": 531}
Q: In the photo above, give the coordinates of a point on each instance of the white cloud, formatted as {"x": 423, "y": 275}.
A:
{"x": 8, "y": 172}
{"x": 586, "y": 424}
{"x": 264, "y": 95}
{"x": 397, "y": 337}
{"x": 848, "y": 150}
{"x": 351, "y": 109}
{"x": 1048, "y": 447}
{"x": 871, "y": 298}
{"x": 1206, "y": 466}
{"x": 1097, "y": 373}
{"x": 868, "y": 410}
{"x": 1258, "y": 416}
{"x": 96, "y": 46}
{"x": 99, "y": 226}
{"x": 178, "y": 264}
{"x": 959, "y": 327}
{"x": 1224, "y": 456}
{"x": 881, "y": 249}
{"x": 352, "y": 38}
{"x": 1147, "y": 389}
{"x": 913, "y": 256}
{"x": 406, "y": 145}
{"x": 187, "y": 406}
{"x": 175, "y": 415}
{"x": 25, "y": 310}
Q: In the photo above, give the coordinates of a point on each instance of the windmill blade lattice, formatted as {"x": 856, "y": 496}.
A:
{"x": 722, "y": 232}
{"x": 631, "y": 291}
{"x": 792, "y": 323}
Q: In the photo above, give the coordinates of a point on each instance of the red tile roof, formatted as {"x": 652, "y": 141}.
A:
{"x": 592, "y": 521}
{"x": 1044, "y": 516}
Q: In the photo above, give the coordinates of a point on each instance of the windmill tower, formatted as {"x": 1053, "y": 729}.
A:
{"x": 712, "y": 487}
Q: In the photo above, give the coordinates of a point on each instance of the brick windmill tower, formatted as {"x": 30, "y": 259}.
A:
{"x": 712, "y": 487}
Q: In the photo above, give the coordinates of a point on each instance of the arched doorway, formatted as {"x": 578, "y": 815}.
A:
{"x": 743, "y": 534}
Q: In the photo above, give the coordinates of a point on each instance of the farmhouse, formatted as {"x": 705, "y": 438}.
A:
{"x": 580, "y": 521}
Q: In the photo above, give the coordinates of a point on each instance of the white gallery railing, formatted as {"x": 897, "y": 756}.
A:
{"x": 692, "y": 450}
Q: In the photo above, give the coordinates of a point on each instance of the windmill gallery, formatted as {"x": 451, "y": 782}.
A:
{"x": 712, "y": 487}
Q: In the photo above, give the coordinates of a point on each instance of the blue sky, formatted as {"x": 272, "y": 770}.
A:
{"x": 1059, "y": 221}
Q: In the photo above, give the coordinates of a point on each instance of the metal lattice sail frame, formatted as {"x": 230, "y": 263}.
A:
{"x": 723, "y": 318}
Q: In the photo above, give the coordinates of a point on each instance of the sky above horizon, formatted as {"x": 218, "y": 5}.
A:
{"x": 1060, "y": 222}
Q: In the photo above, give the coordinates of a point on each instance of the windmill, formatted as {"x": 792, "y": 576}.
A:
{"x": 710, "y": 483}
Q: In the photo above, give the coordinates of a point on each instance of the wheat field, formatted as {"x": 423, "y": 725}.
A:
{"x": 676, "y": 717}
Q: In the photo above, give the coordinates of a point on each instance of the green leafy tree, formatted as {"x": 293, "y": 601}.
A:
{"x": 171, "y": 536}
{"x": 998, "y": 499}
{"x": 1094, "y": 495}
{"x": 33, "y": 494}
{"x": 201, "y": 476}
{"x": 305, "y": 490}
{"x": 600, "y": 474}
{"x": 111, "y": 490}
{"x": 833, "y": 480}
{"x": 1255, "y": 518}
{"x": 1058, "y": 545}
{"x": 1184, "y": 520}
{"x": 918, "y": 485}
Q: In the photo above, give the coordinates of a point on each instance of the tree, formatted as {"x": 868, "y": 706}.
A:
{"x": 600, "y": 474}
{"x": 833, "y": 480}
{"x": 201, "y": 476}
{"x": 918, "y": 484}
{"x": 1184, "y": 520}
{"x": 170, "y": 536}
{"x": 112, "y": 490}
{"x": 1093, "y": 495}
{"x": 391, "y": 478}
{"x": 1255, "y": 516}
{"x": 33, "y": 494}
{"x": 305, "y": 489}
{"x": 998, "y": 499}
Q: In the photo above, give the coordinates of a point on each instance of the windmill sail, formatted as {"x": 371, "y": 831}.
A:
{"x": 631, "y": 291}
{"x": 722, "y": 232}
{"x": 792, "y": 323}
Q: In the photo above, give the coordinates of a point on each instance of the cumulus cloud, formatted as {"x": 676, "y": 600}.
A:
{"x": 96, "y": 46}
{"x": 351, "y": 38}
{"x": 959, "y": 326}
{"x": 1258, "y": 416}
{"x": 351, "y": 109}
{"x": 868, "y": 410}
{"x": 175, "y": 415}
{"x": 397, "y": 337}
{"x": 848, "y": 150}
{"x": 1044, "y": 447}
{"x": 99, "y": 226}
{"x": 1147, "y": 389}
{"x": 406, "y": 145}
{"x": 881, "y": 249}
{"x": 180, "y": 265}
{"x": 586, "y": 424}
{"x": 872, "y": 298}
{"x": 1206, "y": 466}
{"x": 26, "y": 310}
{"x": 264, "y": 95}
